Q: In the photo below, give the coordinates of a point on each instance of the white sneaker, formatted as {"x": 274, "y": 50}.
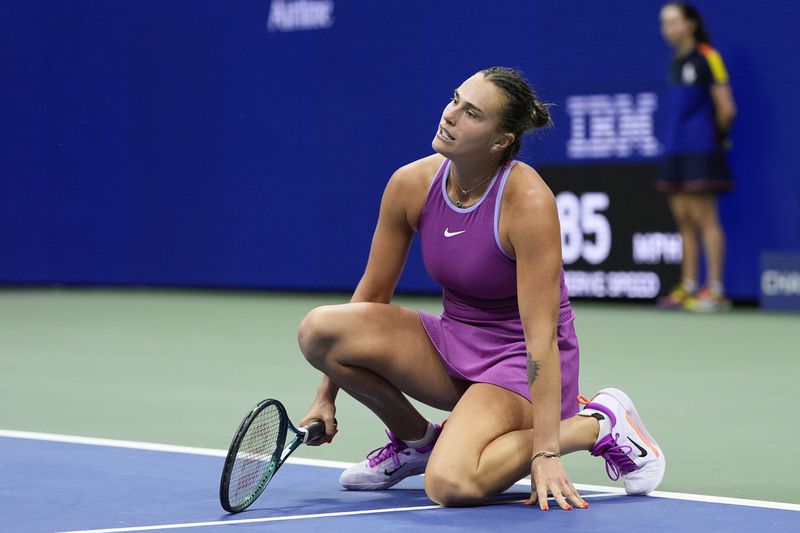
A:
{"x": 387, "y": 466}
{"x": 627, "y": 447}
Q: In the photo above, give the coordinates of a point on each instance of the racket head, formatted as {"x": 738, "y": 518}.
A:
{"x": 254, "y": 455}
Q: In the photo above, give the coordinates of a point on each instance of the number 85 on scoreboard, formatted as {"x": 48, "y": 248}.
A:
{"x": 585, "y": 230}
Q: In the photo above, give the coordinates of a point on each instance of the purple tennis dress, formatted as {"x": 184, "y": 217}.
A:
{"x": 479, "y": 335}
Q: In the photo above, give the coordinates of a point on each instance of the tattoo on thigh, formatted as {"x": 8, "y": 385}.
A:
{"x": 533, "y": 369}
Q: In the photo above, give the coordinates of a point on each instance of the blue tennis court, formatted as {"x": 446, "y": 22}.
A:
{"x": 53, "y": 483}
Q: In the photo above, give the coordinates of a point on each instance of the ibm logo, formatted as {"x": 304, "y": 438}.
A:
{"x": 612, "y": 125}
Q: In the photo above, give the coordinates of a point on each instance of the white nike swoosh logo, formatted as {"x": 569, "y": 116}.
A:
{"x": 447, "y": 232}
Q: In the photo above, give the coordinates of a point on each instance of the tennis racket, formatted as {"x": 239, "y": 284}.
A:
{"x": 258, "y": 450}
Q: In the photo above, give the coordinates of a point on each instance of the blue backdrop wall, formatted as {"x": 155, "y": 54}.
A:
{"x": 247, "y": 143}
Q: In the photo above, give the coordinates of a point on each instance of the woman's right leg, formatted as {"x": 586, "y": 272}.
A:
{"x": 681, "y": 206}
{"x": 376, "y": 353}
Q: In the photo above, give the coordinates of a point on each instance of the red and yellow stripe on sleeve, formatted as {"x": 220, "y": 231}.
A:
{"x": 715, "y": 63}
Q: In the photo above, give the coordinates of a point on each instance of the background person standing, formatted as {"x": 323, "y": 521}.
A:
{"x": 694, "y": 170}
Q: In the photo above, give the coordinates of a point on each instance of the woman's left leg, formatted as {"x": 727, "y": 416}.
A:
{"x": 707, "y": 216}
{"x": 485, "y": 447}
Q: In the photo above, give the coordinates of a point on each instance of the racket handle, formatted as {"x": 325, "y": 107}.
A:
{"x": 314, "y": 430}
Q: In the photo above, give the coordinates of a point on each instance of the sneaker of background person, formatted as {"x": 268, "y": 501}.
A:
{"x": 676, "y": 297}
{"x": 707, "y": 301}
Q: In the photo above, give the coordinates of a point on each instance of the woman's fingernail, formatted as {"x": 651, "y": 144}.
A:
{"x": 546, "y": 508}
{"x": 584, "y": 505}
{"x": 526, "y": 502}
{"x": 568, "y": 507}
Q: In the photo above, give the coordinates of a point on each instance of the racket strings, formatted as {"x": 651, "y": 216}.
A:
{"x": 256, "y": 458}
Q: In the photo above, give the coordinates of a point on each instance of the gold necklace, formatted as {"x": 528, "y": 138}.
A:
{"x": 464, "y": 192}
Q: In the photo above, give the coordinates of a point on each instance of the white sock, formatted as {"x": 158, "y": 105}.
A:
{"x": 426, "y": 439}
{"x": 605, "y": 423}
{"x": 690, "y": 286}
{"x": 717, "y": 287}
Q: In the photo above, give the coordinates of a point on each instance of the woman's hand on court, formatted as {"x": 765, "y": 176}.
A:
{"x": 324, "y": 410}
{"x": 548, "y": 475}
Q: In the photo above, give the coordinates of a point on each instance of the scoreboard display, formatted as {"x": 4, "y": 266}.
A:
{"x": 617, "y": 233}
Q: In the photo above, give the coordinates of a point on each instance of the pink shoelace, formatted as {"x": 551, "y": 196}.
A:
{"x": 616, "y": 455}
{"x": 379, "y": 455}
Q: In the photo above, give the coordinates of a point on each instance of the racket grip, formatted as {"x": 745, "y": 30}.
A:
{"x": 314, "y": 430}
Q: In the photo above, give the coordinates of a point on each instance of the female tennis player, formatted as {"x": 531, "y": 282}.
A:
{"x": 695, "y": 169}
{"x": 490, "y": 236}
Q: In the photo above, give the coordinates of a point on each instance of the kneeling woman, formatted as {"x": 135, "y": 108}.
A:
{"x": 503, "y": 356}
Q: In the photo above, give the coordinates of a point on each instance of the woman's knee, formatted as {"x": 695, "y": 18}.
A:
{"x": 709, "y": 222}
{"x": 681, "y": 207}
{"x": 452, "y": 487}
{"x": 684, "y": 222}
{"x": 317, "y": 334}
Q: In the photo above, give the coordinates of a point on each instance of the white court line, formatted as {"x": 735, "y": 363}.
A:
{"x": 290, "y": 517}
{"x": 255, "y": 520}
{"x": 340, "y": 464}
{"x": 151, "y": 446}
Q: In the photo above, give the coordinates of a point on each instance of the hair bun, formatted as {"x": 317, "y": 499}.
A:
{"x": 540, "y": 115}
{"x": 521, "y": 110}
